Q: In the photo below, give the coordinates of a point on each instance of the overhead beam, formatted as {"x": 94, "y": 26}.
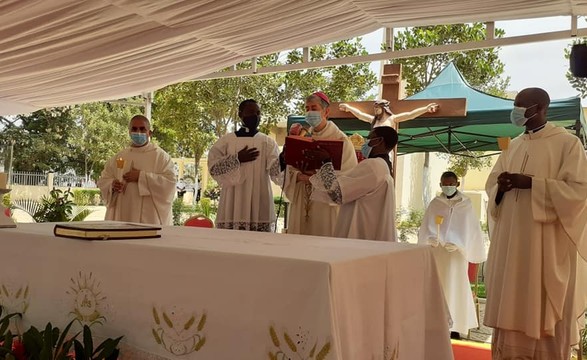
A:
{"x": 399, "y": 54}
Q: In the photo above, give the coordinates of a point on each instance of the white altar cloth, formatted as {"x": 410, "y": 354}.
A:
{"x": 223, "y": 294}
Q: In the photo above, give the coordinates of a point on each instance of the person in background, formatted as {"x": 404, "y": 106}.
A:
{"x": 365, "y": 193}
{"x": 180, "y": 189}
{"x": 306, "y": 216}
{"x": 536, "y": 269}
{"x": 244, "y": 163}
{"x": 451, "y": 227}
{"x": 138, "y": 183}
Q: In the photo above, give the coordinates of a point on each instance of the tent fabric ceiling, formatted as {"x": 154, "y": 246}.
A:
{"x": 63, "y": 52}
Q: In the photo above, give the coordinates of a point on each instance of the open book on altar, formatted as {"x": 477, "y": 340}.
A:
{"x": 296, "y": 145}
{"x": 106, "y": 231}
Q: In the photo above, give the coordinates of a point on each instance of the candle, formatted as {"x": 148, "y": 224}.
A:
{"x": 439, "y": 220}
{"x": 503, "y": 143}
{"x": 119, "y": 168}
{"x": 3, "y": 180}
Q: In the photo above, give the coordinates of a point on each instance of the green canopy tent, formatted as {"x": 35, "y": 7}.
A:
{"x": 488, "y": 117}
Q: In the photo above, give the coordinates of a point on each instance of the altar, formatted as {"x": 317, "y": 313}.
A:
{"x": 224, "y": 294}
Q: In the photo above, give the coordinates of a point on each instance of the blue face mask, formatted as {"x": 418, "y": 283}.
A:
{"x": 366, "y": 150}
{"x": 139, "y": 139}
{"x": 518, "y": 115}
{"x": 313, "y": 118}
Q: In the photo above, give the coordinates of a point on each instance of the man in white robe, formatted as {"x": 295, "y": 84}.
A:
{"x": 307, "y": 216}
{"x": 451, "y": 227}
{"x": 366, "y": 192}
{"x": 535, "y": 268}
{"x": 244, "y": 163}
{"x": 138, "y": 183}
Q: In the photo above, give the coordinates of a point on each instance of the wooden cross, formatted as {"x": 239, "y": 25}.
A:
{"x": 391, "y": 81}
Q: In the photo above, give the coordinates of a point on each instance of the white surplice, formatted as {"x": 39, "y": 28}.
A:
{"x": 461, "y": 230}
{"x": 246, "y": 198}
{"x": 147, "y": 201}
{"x": 367, "y": 198}
{"x": 308, "y": 216}
{"x": 535, "y": 286}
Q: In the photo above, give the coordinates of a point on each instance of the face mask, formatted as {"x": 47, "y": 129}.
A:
{"x": 518, "y": 115}
{"x": 251, "y": 122}
{"x": 138, "y": 139}
{"x": 366, "y": 148}
{"x": 449, "y": 190}
{"x": 313, "y": 118}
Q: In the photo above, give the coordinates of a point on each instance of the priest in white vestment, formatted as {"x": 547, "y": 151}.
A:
{"x": 366, "y": 192}
{"x": 535, "y": 269}
{"x": 453, "y": 230}
{"x": 138, "y": 183}
{"x": 244, "y": 163}
{"x": 307, "y": 216}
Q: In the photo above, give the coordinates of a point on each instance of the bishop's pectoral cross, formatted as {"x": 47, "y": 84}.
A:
{"x": 391, "y": 81}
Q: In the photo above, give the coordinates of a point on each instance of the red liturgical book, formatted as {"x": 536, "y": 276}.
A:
{"x": 296, "y": 145}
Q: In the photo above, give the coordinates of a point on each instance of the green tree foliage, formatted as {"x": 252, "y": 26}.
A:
{"x": 190, "y": 116}
{"x": 40, "y": 139}
{"x": 460, "y": 164}
{"x": 482, "y": 68}
{"x": 101, "y": 131}
{"x": 341, "y": 83}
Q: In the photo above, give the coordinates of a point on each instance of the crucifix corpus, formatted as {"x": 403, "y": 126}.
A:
{"x": 391, "y": 81}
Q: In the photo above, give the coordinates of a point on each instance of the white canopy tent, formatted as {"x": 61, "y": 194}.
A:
{"x": 63, "y": 52}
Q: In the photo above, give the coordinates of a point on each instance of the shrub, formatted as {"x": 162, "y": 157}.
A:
{"x": 85, "y": 197}
{"x": 408, "y": 222}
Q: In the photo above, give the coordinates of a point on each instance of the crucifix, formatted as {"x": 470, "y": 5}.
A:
{"x": 391, "y": 81}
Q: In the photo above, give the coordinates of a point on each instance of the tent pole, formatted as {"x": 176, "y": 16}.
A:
{"x": 148, "y": 104}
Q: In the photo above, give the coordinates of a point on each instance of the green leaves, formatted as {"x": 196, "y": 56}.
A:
{"x": 579, "y": 84}
{"x": 105, "y": 351}
{"x": 482, "y": 68}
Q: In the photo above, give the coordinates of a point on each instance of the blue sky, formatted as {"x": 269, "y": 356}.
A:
{"x": 530, "y": 65}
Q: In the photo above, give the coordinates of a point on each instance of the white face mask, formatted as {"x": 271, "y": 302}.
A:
{"x": 518, "y": 115}
{"x": 313, "y": 118}
{"x": 449, "y": 190}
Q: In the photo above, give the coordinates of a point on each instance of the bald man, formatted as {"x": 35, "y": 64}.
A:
{"x": 138, "y": 183}
{"x": 537, "y": 198}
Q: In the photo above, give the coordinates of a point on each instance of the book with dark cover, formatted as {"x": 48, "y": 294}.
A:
{"x": 296, "y": 145}
{"x": 106, "y": 231}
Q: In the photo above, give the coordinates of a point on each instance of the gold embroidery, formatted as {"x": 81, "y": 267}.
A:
{"x": 307, "y": 201}
{"x": 296, "y": 346}
{"x": 178, "y": 335}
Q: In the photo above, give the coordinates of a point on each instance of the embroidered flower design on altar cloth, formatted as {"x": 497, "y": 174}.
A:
{"x": 301, "y": 346}
{"x": 179, "y": 332}
{"x": 87, "y": 299}
{"x": 14, "y": 299}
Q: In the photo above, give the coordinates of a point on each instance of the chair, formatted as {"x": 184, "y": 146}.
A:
{"x": 199, "y": 221}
